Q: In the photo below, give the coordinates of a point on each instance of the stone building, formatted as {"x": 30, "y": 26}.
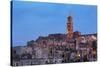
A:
{"x": 57, "y": 48}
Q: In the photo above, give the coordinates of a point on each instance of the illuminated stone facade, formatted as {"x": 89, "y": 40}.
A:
{"x": 57, "y": 48}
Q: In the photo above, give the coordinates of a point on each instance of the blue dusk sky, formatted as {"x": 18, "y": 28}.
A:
{"x": 33, "y": 19}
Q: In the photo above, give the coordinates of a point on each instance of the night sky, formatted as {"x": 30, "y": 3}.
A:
{"x": 34, "y": 19}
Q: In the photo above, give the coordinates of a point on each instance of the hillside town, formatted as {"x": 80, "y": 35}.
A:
{"x": 57, "y": 48}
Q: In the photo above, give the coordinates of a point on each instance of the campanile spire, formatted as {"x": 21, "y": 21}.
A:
{"x": 69, "y": 27}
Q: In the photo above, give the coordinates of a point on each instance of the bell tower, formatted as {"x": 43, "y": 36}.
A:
{"x": 69, "y": 27}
